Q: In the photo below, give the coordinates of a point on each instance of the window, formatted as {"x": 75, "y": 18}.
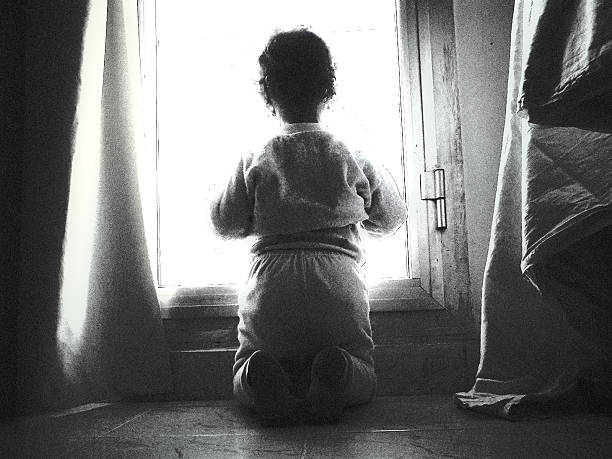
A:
{"x": 204, "y": 109}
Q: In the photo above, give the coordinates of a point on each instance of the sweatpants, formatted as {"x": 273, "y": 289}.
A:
{"x": 298, "y": 302}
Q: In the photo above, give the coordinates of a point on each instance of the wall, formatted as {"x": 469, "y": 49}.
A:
{"x": 482, "y": 31}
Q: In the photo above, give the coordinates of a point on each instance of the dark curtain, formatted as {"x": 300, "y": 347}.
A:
{"x": 86, "y": 322}
{"x": 11, "y": 150}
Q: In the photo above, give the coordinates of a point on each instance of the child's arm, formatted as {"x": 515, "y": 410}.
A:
{"x": 385, "y": 207}
{"x": 231, "y": 212}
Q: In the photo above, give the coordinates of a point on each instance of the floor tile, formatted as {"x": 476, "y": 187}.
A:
{"x": 415, "y": 412}
{"x": 579, "y": 436}
{"x": 420, "y": 426}
{"x": 456, "y": 443}
{"x": 195, "y": 418}
{"x": 214, "y": 446}
{"x": 52, "y": 435}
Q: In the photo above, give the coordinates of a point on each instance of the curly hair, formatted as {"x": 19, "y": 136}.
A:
{"x": 296, "y": 71}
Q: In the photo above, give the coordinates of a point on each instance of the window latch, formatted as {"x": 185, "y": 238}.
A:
{"x": 433, "y": 189}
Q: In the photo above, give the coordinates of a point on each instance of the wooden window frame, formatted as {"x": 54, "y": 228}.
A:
{"x": 428, "y": 64}
{"x": 430, "y": 110}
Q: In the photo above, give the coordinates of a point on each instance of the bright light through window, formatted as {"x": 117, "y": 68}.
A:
{"x": 210, "y": 112}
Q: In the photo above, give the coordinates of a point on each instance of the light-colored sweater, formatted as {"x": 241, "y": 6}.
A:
{"x": 303, "y": 180}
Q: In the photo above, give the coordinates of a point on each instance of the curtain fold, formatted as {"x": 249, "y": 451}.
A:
{"x": 89, "y": 325}
{"x": 539, "y": 350}
{"x": 567, "y": 77}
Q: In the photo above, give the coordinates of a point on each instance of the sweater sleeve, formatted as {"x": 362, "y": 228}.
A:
{"x": 385, "y": 207}
{"x": 231, "y": 211}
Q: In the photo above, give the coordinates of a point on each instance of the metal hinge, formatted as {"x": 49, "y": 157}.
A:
{"x": 433, "y": 189}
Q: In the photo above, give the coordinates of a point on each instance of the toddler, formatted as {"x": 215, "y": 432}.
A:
{"x": 305, "y": 340}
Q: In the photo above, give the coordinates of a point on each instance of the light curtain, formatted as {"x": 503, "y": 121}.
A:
{"x": 89, "y": 325}
{"x": 553, "y": 201}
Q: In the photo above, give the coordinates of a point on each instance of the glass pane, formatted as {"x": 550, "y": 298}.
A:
{"x": 210, "y": 112}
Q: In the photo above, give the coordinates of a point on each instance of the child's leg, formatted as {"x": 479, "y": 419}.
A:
{"x": 260, "y": 383}
{"x": 297, "y": 303}
{"x": 242, "y": 392}
{"x": 339, "y": 379}
{"x": 361, "y": 385}
{"x": 339, "y": 311}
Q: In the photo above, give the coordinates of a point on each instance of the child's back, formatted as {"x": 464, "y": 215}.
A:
{"x": 304, "y": 332}
{"x": 303, "y": 180}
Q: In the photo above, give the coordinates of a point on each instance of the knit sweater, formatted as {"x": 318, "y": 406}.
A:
{"x": 303, "y": 180}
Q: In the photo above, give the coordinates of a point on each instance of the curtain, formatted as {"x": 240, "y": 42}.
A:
{"x": 88, "y": 325}
{"x": 11, "y": 116}
{"x": 546, "y": 331}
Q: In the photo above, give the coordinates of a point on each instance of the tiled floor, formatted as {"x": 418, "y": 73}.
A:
{"x": 419, "y": 426}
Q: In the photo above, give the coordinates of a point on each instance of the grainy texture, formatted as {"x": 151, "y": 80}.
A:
{"x": 417, "y": 352}
{"x": 416, "y": 427}
{"x": 388, "y": 328}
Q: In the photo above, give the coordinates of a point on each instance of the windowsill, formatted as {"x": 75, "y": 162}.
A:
{"x": 393, "y": 295}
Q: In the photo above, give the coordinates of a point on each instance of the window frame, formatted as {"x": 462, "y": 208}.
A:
{"x": 430, "y": 111}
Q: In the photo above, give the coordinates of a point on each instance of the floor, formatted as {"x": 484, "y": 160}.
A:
{"x": 415, "y": 427}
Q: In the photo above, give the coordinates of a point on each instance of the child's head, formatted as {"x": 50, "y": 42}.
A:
{"x": 297, "y": 73}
